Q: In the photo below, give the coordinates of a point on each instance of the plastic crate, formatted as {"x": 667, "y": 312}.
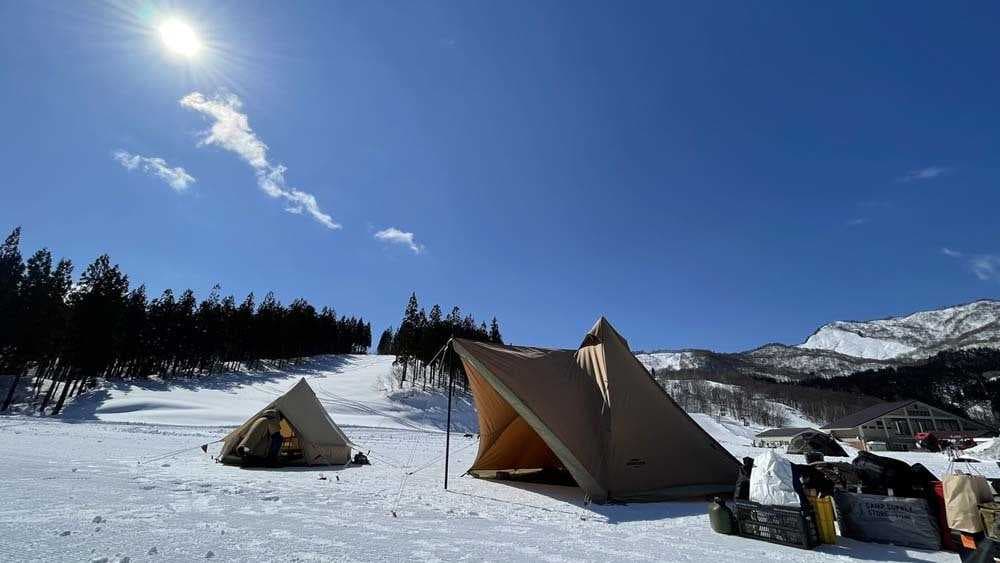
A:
{"x": 785, "y": 525}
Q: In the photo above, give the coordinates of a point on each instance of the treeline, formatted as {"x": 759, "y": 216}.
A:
{"x": 822, "y": 405}
{"x": 965, "y": 382}
{"x": 699, "y": 396}
{"x": 66, "y": 335}
{"x": 420, "y": 337}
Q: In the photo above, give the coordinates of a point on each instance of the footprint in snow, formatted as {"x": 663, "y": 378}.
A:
{"x": 152, "y": 551}
{"x": 97, "y": 519}
{"x": 271, "y": 498}
{"x": 65, "y": 533}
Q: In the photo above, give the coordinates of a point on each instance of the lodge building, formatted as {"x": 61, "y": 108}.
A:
{"x": 892, "y": 426}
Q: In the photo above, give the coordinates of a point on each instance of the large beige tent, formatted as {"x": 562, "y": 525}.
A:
{"x": 594, "y": 412}
{"x": 310, "y": 436}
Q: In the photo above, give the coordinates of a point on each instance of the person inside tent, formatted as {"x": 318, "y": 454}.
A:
{"x": 262, "y": 442}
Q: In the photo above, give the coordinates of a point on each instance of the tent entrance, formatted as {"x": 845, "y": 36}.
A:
{"x": 291, "y": 450}
{"x": 509, "y": 448}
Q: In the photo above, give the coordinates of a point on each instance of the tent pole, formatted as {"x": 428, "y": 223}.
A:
{"x": 447, "y": 435}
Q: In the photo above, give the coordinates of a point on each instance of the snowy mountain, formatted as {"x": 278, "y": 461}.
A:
{"x": 919, "y": 335}
{"x": 684, "y": 359}
{"x": 841, "y": 348}
{"x": 774, "y": 361}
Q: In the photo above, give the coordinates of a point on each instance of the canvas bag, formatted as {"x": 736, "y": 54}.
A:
{"x": 881, "y": 519}
{"x": 962, "y": 496}
{"x": 772, "y": 481}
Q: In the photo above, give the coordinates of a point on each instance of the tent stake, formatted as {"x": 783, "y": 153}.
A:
{"x": 447, "y": 435}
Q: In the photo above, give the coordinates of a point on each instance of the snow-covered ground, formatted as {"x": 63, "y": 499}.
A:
{"x": 357, "y": 390}
{"x": 90, "y": 486}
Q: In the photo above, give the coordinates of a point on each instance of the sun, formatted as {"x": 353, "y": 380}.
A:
{"x": 179, "y": 38}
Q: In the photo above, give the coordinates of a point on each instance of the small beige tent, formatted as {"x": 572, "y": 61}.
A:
{"x": 310, "y": 436}
{"x": 594, "y": 412}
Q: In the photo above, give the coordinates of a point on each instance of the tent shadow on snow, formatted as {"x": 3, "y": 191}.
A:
{"x": 648, "y": 512}
{"x": 613, "y": 513}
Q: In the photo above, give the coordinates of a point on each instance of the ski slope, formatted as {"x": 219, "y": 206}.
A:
{"x": 123, "y": 477}
{"x": 357, "y": 390}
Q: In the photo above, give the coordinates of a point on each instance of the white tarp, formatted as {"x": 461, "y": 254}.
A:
{"x": 772, "y": 482}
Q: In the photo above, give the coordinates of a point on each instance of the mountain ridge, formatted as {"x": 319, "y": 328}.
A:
{"x": 840, "y": 348}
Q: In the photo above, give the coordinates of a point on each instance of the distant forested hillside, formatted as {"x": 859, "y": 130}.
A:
{"x": 961, "y": 381}
{"x": 65, "y": 334}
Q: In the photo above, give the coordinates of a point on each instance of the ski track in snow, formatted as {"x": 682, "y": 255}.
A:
{"x": 75, "y": 490}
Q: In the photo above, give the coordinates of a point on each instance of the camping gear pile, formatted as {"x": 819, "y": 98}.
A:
{"x": 812, "y": 442}
{"x": 872, "y": 499}
{"x": 770, "y": 505}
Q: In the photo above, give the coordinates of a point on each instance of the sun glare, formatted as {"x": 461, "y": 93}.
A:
{"x": 179, "y": 38}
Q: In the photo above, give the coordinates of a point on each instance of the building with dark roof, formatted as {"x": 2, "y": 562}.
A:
{"x": 893, "y": 426}
{"x": 776, "y": 437}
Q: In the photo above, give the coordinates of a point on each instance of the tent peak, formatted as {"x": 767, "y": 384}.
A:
{"x": 601, "y": 331}
{"x": 602, "y": 322}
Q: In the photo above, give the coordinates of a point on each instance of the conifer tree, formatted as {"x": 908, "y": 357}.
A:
{"x": 11, "y": 274}
{"x": 385, "y": 342}
{"x": 495, "y": 336}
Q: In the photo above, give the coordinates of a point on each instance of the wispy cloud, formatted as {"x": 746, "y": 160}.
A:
{"x": 984, "y": 266}
{"x": 857, "y": 221}
{"x": 176, "y": 177}
{"x": 231, "y": 130}
{"x": 928, "y": 173}
{"x": 396, "y": 236}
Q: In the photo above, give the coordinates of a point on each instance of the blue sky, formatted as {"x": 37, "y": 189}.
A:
{"x": 705, "y": 174}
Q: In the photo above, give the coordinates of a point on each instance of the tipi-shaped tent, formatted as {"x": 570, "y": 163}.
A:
{"x": 594, "y": 411}
{"x": 310, "y": 436}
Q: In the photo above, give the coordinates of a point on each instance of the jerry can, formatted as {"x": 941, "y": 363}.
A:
{"x": 720, "y": 517}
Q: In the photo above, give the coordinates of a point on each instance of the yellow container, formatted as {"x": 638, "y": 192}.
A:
{"x": 823, "y": 508}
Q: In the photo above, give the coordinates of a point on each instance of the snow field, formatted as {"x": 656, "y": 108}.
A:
{"x": 75, "y": 490}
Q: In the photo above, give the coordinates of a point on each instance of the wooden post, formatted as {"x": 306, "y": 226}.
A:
{"x": 447, "y": 435}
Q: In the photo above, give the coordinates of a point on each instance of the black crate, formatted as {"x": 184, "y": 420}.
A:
{"x": 784, "y": 525}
